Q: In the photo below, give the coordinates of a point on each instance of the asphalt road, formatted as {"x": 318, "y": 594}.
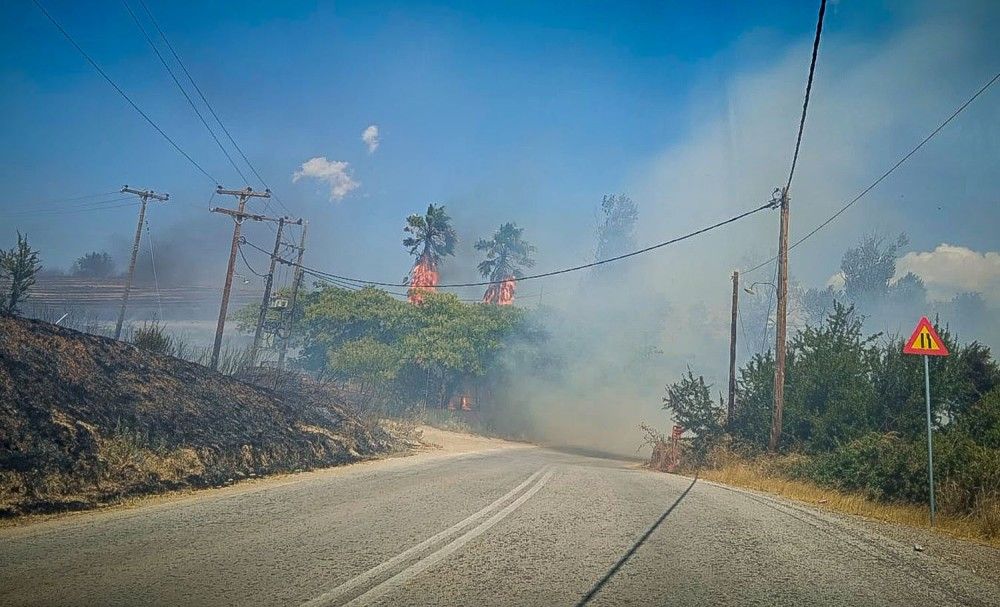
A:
{"x": 508, "y": 527}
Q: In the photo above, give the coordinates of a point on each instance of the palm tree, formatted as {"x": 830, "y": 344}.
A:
{"x": 432, "y": 236}
{"x": 507, "y": 253}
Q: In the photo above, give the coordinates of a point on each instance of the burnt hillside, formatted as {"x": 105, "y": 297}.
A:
{"x": 86, "y": 420}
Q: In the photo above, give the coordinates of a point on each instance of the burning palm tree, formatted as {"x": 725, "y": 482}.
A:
{"x": 506, "y": 254}
{"x": 431, "y": 238}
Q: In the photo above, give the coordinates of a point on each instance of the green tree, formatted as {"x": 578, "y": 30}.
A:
{"x": 694, "y": 409}
{"x": 415, "y": 354}
{"x": 94, "y": 265}
{"x": 754, "y": 401}
{"x": 432, "y": 236}
{"x": 18, "y": 268}
{"x": 828, "y": 387}
{"x": 507, "y": 253}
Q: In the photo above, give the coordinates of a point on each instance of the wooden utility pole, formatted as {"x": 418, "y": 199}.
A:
{"x": 144, "y": 196}
{"x": 238, "y": 216}
{"x": 732, "y": 350}
{"x": 780, "y": 323}
{"x": 296, "y": 283}
{"x": 268, "y": 283}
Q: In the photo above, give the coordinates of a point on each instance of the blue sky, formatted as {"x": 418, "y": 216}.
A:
{"x": 503, "y": 111}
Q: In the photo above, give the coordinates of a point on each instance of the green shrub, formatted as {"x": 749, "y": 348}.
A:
{"x": 881, "y": 466}
{"x": 886, "y": 467}
{"x": 152, "y": 337}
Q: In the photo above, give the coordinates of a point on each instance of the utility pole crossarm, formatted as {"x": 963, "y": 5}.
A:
{"x": 145, "y": 193}
{"x": 256, "y": 217}
{"x": 247, "y": 193}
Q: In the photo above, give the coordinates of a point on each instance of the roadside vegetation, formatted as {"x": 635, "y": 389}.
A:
{"x": 854, "y": 414}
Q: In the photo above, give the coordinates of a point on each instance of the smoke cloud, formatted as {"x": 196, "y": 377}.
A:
{"x": 621, "y": 338}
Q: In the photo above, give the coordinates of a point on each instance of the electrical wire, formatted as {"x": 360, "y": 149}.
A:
{"x": 743, "y": 328}
{"x": 51, "y": 212}
{"x": 78, "y": 206}
{"x": 888, "y": 172}
{"x": 156, "y": 281}
{"x": 204, "y": 99}
{"x": 768, "y": 205}
{"x": 809, "y": 83}
{"x": 121, "y": 92}
{"x": 73, "y": 198}
{"x": 239, "y": 247}
{"x": 173, "y": 77}
{"x": 767, "y": 314}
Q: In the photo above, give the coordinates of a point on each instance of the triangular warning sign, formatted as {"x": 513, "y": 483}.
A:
{"x": 925, "y": 340}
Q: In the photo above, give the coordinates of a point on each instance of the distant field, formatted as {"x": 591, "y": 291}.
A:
{"x": 53, "y": 296}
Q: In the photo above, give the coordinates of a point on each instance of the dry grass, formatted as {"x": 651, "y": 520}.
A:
{"x": 755, "y": 475}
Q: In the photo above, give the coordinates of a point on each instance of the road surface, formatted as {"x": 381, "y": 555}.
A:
{"x": 524, "y": 526}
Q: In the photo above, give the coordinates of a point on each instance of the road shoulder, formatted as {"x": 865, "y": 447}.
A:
{"x": 980, "y": 559}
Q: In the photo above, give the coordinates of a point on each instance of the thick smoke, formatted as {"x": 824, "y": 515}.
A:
{"x": 623, "y": 335}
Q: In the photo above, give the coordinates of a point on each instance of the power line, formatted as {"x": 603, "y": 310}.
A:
{"x": 173, "y": 77}
{"x": 93, "y": 203}
{"x": 61, "y": 208}
{"x": 50, "y": 212}
{"x": 74, "y": 198}
{"x": 768, "y": 205}
{"x": 247, "y": 263}
{"x": 211, "y": 109}
{"x": 767, "y": 314}
{"x": 743, "y": 328}
{"x": 884, "y": 175}
{"x": 121, "y": 92}
{"x": 809, "y": 83}
{"x": 152, "y": 262}
{"x": 355, "y": 288}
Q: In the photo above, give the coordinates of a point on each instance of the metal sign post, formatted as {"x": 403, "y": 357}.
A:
{"x": 930, "y": 439}
{"x": 926, "y": 342}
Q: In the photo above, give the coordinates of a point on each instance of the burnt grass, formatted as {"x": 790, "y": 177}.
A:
{"x": 86, "y": 420}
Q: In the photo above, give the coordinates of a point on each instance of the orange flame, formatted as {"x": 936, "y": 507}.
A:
{"x": 423, "y": 278}
{"x": 501, "y": 294}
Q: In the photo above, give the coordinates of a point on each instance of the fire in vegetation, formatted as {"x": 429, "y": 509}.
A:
{"x": 423, "y": 278}
{"x": 501, "y": 293}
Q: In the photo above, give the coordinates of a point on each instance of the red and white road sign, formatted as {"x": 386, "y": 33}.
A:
{"x": 925, "y": 341}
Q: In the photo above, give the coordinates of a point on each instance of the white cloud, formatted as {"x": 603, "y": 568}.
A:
{"x": 335, "y": 173}
{"x": 370, "y": 137}
{"x": 950, "y": 269}
{"x": 837, "y": 281}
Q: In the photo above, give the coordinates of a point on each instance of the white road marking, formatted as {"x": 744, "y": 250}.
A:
{"x": 448, "y": 549}
{"x": 332, "y": 596}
